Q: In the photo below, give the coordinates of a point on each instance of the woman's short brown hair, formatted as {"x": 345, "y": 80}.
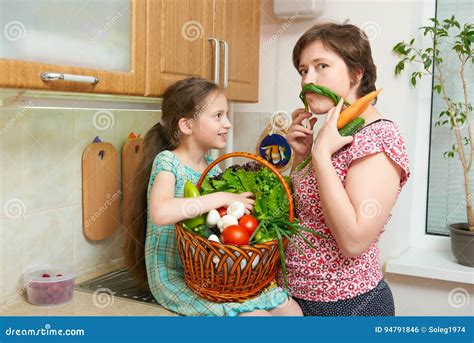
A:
{"x": 350, "y": 43}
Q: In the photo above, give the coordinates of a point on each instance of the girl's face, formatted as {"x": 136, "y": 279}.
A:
{"x": 322, "y": 66}
{"x": 211, "y": 127}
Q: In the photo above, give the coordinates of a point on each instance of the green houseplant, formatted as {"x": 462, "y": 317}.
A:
{"x": 456, "y": 39}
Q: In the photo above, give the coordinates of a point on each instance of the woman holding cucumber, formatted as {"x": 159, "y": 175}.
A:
{"x": 351, "y": 184}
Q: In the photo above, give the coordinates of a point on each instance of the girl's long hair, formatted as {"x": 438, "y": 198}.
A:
{"x": 184, "y": 99}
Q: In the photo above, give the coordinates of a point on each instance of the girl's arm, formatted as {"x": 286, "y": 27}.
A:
{"x": 356, "y": 214}
{"x": 166, "y": 209}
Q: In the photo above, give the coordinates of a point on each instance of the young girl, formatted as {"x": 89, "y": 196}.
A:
{"x": 194, "y": 120}
{"x": 348, "y": 190}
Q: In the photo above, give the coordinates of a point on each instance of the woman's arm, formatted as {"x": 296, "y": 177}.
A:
{"x": 356, "y": 214}
{"x": 371, "y": 182}
{"x": 166, "y": 209}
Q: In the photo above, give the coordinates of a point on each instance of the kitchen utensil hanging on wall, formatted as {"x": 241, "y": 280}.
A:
{"x": 131, "y": 154}
{"x": 273, "y": 145}
{"x": 100, "y": 190}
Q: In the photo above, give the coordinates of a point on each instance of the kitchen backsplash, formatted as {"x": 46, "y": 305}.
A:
{"x": 41, "y": 184}
{"x": 41, "y": 187}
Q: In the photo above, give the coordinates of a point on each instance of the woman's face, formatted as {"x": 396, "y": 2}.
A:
{"x": 212, "y": 123}
{"x": 322, "y": 66}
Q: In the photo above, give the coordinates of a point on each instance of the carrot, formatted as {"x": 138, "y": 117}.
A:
{"x": 356, "y": 109}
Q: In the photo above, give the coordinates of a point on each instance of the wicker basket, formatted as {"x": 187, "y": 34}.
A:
{"x": 229, "y": 273}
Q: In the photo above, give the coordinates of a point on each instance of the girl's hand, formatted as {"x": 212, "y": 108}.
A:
{"x": 328, "y": 140}
{"x": 245, "y": 198}
{"x": 299, "y": 137}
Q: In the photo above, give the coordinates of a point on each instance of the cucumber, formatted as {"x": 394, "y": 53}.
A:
{"x": 352, "y": 127}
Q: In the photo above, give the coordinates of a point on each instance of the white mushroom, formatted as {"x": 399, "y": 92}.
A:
{"x": 214, "y": 238}
{"x": 226, "y": 221}
{"x": 212, "y": 218}
{"x": 236, "y": 209}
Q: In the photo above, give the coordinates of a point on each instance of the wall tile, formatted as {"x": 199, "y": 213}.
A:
{"x": 49, "y": 238}
{"x": 91, "y": 254}
{"x": 11, "y": 267}
{"x": 154, "y": 118}
{"x": 128, "y": 121}
{"x": 48, "y": 170}
{"x": 11, "y": 163}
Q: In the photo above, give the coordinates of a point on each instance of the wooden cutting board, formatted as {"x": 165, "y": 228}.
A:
{"x": 131, "y": 154}
{"x": 100, "y": 191}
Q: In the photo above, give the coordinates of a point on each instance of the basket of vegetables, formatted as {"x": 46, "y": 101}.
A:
{"x": 229, "y": 255}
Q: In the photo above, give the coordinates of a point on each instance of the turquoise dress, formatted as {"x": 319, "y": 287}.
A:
{"x": 163, "y": 263}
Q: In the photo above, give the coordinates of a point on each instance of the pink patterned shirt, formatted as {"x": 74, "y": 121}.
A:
{"x": 325, "y": 274}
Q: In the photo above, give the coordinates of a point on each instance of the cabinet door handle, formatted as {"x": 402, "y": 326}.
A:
{"x": 217, "y": 53}
{"x": 226, "y": 63}
{"x": 47, "y": 76}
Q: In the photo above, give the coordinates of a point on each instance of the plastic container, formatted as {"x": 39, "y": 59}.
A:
{"x": 49, "y": 285}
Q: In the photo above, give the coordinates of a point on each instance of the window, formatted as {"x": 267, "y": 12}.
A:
{"x": 446, "y": 202}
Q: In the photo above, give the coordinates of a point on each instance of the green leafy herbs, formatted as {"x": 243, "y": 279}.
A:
{"x": 270, "y": 197}
{"x": 271, "y": 204}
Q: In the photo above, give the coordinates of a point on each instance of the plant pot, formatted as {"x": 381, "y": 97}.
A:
{"x": 462, "y": 243}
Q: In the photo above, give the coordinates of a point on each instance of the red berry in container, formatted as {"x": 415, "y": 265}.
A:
{"x": 46, "y": 275}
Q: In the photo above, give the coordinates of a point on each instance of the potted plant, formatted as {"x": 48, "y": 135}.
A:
{"x": 454, "y": 39}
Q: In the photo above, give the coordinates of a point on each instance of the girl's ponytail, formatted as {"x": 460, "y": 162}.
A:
{"x": 135, "y": 214}
{"x": 184, "y": 99}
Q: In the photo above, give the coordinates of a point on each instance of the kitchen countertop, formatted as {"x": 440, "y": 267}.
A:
{"x": 84, "y": 304}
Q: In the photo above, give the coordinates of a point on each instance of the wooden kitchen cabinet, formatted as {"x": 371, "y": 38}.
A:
{"x": 83, "y": 38}
{"x": 179, "y": 45}
{"x": 238, "y": 23}
{"x": 132, "y": 47}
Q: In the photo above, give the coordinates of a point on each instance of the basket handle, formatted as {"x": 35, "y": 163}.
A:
{"x": 261, "y": 161}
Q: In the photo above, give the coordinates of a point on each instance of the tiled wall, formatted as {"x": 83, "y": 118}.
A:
{"x": 248, "y": 127}
{"x": 41, "y": 188}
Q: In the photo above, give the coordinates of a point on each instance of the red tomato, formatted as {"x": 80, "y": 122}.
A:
{"x": 235, "y": 234}
{"x": 222, "y": 211}
{"x": 249, "y": 223}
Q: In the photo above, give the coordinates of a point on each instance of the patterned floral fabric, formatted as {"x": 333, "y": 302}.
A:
{"x": 325, "y": 274}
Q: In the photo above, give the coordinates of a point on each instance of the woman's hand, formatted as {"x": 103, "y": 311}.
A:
{"x": 246, "y": 198}
{"x": 328, "y": 140}
{"x": 299, "y": 137}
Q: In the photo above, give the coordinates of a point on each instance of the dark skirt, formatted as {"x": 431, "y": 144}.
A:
{"x": 376, "y": 302}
